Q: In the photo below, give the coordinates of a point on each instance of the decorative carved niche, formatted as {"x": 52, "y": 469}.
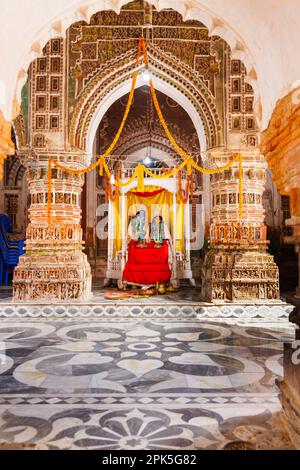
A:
{"x": 248, "y": 88}
{"x": 40, "y": 121}
{"x": 252, "y": 141}
{"x": 235, "y": 67}
{"x": 55, "y": 46}
{"x": 236, "y": 123}
{"x": 40, "y": 103}
{"x": 40, "y": 83}
{"x": 55, "y": 64}
{"x": 39, "y": 140}
{"x": 236, "y": 104}
{"x": 41, "y": 64}
{"x": 54, "y": 122}
{"x": 54, "y": 103}
{"x": 250, "y": 125}
{"x": 236, "y": 85}
{"x": 249, "y": 104}
{"x": 54, "y": 84}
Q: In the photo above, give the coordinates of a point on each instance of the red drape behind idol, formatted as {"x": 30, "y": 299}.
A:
{"x": 149, "y": 265}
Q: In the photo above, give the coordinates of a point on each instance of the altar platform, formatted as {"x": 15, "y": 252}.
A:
{"x": 185, "y": 304}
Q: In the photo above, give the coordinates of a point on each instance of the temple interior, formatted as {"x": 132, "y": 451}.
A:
{"x": 150, "y": 225}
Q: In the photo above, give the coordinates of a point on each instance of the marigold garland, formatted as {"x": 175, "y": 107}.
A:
{"x": 185, "y": 195}
{"x": 140, "y": 169}
{"x": 109, "y": 195}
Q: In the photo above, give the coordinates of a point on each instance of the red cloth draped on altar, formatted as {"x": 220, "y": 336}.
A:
{"x": 147, "y": 266}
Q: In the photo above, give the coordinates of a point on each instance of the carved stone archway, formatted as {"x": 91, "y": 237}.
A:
{"x": 189, "y": 92}
{"x": 115, "y": 80}
{"x": 63, "y": 15}
{"x": 104, "y": 86}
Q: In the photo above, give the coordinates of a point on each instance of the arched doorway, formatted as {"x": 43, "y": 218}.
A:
{"x": 223, "y": 101}
{"x": 224, "y": 201}
{"x": 143, "y": 137}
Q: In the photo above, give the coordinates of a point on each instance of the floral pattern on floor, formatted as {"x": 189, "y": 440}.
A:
{"x": 138, "y": 384}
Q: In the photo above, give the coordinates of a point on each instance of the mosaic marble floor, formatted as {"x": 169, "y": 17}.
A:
{"x": 139, "y": 384}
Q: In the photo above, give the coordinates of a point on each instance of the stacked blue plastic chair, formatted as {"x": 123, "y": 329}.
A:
{"x": 10, "y": 250}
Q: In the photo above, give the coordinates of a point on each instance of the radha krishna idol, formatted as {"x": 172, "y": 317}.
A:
{"x": 159, "y": 232}
{"x": 138, "y": 229}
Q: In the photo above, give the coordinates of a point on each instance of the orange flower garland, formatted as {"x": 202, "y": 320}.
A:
{"x": 109, "y": 195}
{"x": 185, "y": 195}
{"x": 140, "y": 170}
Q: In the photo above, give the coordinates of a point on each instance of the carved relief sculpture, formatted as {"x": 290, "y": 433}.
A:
{"x": 237, "y": 266}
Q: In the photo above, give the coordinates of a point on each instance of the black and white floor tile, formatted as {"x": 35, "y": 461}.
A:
{"x": 137, "y": 384}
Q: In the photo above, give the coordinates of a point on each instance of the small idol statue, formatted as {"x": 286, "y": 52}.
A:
{"x": 157, "y": 231}
{"x": 138, "y": 229}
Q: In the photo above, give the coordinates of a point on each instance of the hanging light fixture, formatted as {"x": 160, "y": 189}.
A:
{"x": 148, "y": 34}
{"x": 146, "y": 76}
{"x": 148, "y": 160}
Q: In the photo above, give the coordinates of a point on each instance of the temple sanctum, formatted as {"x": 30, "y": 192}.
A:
{"x": 149, "y": 225}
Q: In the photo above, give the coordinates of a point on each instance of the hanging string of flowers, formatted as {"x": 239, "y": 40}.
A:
{"x": 109, "y": 195}
{"x": 140, "y": 170}
{"x": 101, "y": 160}
{"x": 185, "y": 195}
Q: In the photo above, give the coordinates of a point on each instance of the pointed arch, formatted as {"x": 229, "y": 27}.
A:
{"x": 169, "y": 76}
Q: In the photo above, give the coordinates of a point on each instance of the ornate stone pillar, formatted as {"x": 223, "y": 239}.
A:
{"x": 54, "y": 266}
{"x": 237, "y": 267}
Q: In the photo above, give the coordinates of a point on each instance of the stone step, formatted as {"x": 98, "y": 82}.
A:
{"x": 273, "y": 313}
